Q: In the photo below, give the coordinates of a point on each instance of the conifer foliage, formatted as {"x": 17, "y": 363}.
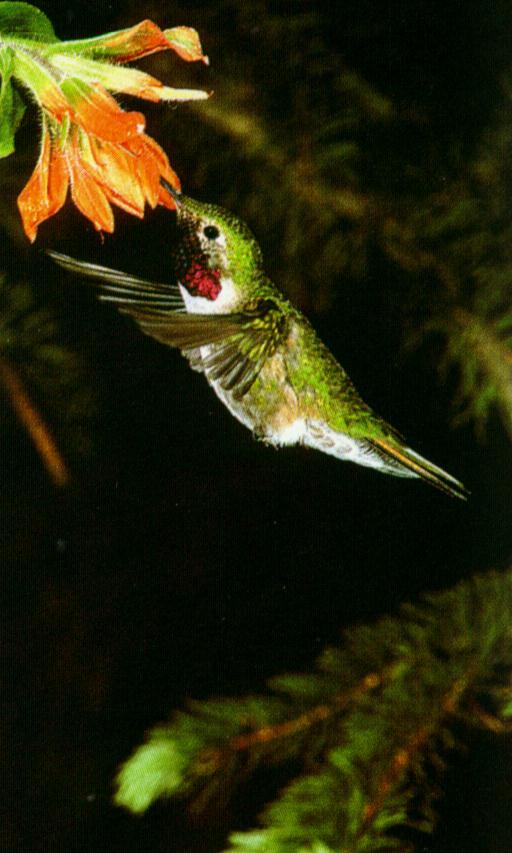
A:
{"x": 371, "y": 727}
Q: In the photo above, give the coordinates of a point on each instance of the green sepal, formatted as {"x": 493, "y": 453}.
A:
{"x": 75, "y": 90}
{"x": 28, "y": 67}
{"x": 95, "y": 47}
{"x": 23, "y": 21}
{"x": 12, "y": 107}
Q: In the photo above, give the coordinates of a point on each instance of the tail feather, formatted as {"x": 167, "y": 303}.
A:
{"x": 420, "y": 467}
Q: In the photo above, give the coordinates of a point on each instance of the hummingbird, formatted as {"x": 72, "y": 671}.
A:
{"x": 259, "y": 353}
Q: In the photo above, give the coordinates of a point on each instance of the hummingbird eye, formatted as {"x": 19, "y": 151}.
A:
{"x": 211, "y": 232}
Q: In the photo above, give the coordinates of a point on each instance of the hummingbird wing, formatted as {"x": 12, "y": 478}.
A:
{"x": 122, "y": 289}
{"x": 238, "y": 343}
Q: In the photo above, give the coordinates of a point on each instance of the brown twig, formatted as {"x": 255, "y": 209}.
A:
{"x": 304, "y": 721}
{"x": 401, "y": 761}
{"x": 34, "y": 424}
{"x": 212, "y": 759}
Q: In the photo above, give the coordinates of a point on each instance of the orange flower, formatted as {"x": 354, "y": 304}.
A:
{"x": 116, "y": 165}
{"x": 89, "y": 144}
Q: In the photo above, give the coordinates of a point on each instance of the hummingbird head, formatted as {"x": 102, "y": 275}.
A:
{"x": 217, "y": 255}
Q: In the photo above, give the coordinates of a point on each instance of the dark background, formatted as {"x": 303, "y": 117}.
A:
{"x": 186, "y": 559}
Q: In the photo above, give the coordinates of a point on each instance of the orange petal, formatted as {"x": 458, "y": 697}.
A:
{"x": 152, "y": 164}
{"x": 149, "y": 173}
{"x": 58, "y": 179}
{"x": 46, "y": 190}
{"x": 165, "y": 199}
{"x": 117, "y": 172}
{"x": 98, "y": 113}
{"x": 53, "y": 100}
{"x": 135, "y": 42}
{"x": 86, "y": 193}
{"x": 186, "y": 43}
{"x": 33, "y": 199}
{"x": 127, "y": 45}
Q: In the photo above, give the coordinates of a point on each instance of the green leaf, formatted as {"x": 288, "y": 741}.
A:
{"x": 11, "y": 105}
{"x": 21, "y": 20}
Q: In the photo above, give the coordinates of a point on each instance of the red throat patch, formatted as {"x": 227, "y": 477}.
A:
{"x": 202, "y": 282}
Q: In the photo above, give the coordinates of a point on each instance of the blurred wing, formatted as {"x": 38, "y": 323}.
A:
{"x": 238, "y": 344}
{"x": 121, "y": 289}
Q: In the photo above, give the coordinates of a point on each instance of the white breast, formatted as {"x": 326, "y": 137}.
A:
{"x": 226, "y": 300}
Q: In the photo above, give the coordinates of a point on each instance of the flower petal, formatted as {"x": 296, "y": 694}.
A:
{"x": 165, "y": 199}
{"x": 86, "y": 193}
{"x": 117, "y": 171}
{"x": 122, "y": 45}
{"x": 130, "y": 81}
{"x": 97, "y": 112}
{"x": 152, "y": 165}
{"x": 58, "y": 179}
{"x": 46, "y": 190}
{"x": 187, "y": 44}
{"x": 135, "y": 42}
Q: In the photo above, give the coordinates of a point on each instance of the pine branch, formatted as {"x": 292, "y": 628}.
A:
{"x": 371, "y": 727}
{"x": 402, "y": 760}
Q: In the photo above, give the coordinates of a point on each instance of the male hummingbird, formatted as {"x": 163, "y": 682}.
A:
{"x": 261, "y": 356}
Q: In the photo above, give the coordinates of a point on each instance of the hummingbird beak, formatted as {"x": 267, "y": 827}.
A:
{"x": 175, "y": 195}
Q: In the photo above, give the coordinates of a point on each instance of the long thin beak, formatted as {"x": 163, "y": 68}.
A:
{"x": 176, "y": 196}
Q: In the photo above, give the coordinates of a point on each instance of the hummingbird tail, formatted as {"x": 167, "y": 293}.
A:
{"x": 405, "y": 458}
